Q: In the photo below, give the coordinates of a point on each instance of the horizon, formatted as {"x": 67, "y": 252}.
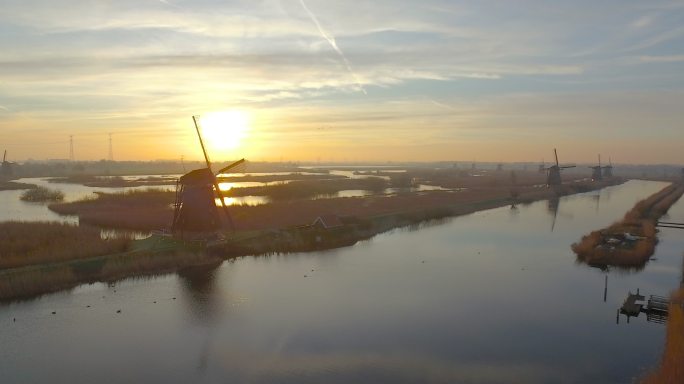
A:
{"x": 309, "y": 80}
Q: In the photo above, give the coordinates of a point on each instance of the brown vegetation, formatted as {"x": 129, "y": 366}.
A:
{"x": 615, "y": 246}
{"x": 24, "y": 243}
{"x": 671, "y": 368}
{"x": 13, "y": 185}
{"x": 42, "y": 194}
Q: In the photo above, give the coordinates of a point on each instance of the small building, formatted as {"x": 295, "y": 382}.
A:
{"x": 329, "y": 221}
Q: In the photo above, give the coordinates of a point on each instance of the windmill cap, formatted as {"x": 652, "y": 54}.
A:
{"x": 200, "y": 176}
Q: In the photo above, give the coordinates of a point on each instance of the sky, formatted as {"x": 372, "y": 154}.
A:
{"x": 333, "y": 81}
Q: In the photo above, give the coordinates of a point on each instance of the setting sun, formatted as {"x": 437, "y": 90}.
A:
{"x": 225, "y": 130}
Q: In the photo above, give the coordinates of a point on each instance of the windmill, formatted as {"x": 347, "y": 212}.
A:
{"x": 596, "y": 173}
{"x": 553, "y": 177}
{"x": 499, "y": 167}
{"x": 608, "y": 169}
{"x": 6, "y": 169}
{"x": 542, "y": 166}
{"x": 195, "y": 209}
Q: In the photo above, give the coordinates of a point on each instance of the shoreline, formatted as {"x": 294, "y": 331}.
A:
{"x": 159, "y": 256}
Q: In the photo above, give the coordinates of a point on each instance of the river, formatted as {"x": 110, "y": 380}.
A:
{"x": 492, "y": 297}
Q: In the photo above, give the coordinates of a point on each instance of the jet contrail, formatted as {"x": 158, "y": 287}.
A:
{"x": 333, "y": 44}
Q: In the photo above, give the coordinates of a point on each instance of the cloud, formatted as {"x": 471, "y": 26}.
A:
{"x": 331, "y": 40}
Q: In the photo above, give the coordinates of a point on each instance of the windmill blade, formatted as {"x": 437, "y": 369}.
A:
{"x": 237, "y": 166}
{"x": 555, "y": 154}
{"x": 216, "y": 185}
{"x": 4, "y": 157}
{"x": 199, "y": 135}
{"x": 567, "y": 166}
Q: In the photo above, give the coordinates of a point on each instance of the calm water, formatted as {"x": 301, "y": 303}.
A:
{"x": 493, "y": 297}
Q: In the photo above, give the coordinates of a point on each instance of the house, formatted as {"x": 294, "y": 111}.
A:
{"x": 327, "y": 222}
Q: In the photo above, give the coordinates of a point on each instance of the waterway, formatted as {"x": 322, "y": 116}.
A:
{"x": 492, "y": 297}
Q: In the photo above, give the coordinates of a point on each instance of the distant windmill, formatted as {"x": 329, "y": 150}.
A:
{"x": 499, "y": 167}
{"x": 554, "y": 172}
{"x": 195, "y": 211}
{"x": 542, "y": 166}
{"x": 6, "y": 169}
{"x": 597, "y": 173}
{"x": 608, "y": 169}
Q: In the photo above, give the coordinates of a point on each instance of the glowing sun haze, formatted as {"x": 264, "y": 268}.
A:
{"x": 344, "y": 81}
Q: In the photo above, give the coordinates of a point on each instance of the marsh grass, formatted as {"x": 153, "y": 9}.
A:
{"x": 31, "y": 243}
{"x": 41, "y": 195}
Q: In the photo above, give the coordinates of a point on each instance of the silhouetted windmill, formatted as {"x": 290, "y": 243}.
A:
{"x": 553, "y": 177}
{"x": 6, "y": 170}
{"x": 542, "y": 166}
{"x": 608, "y": 169}
{"x": 499, "y": 167}
{"x": 195, "y": 210}
{"x": 597, "y": 173}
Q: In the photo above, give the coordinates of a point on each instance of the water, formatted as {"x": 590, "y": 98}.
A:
{"x": 487, "y": 298}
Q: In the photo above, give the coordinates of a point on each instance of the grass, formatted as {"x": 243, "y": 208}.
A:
{"x": 639, "y": 221}
{"x": 30, "y": 243}
{"x": 42, "y": 194}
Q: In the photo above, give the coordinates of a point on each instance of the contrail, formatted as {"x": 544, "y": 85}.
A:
{"x": 333, "y": 44}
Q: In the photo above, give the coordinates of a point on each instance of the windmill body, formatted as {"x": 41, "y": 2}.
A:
{"x": 6, "y": 169}
{"x": 195, "y": 208}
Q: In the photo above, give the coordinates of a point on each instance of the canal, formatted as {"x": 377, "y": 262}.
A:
{"x": 492, "y": 297}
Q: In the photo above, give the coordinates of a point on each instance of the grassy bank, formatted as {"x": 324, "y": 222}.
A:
{"x": 631, "y": 241}
{"x": 13, "y": 186}
{"x": 32, "y": 243}
{"x": 671, "y": 369}
{"x": 32, "y": 281}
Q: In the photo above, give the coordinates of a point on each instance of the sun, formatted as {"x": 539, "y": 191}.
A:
{"x": 225, "y": 130}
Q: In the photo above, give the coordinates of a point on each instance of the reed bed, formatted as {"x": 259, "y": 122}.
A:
{"x": 31, "y": 243}
{"x": 671, "y": 369}
{"x": 41, "y": 195}
{"x": 640, "y": 221}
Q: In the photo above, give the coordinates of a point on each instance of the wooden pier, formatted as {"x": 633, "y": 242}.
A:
{"x": 656, "y": 307}
{"x": 668, "y": 224}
